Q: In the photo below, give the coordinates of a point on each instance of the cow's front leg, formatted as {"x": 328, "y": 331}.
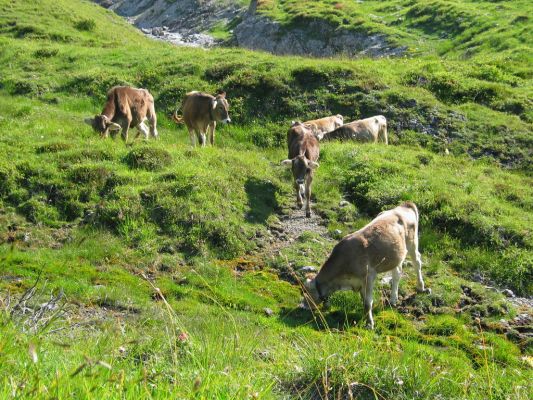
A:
{"x": 124, "y": 133}
{"x": 367, "y": 290}
{"x": 308, "y": 196}
{"x": 396, "y": 274}
{"x": 211, "y": 132}
{"x": 142, "y": 128}
{"x": 299, "y": 200}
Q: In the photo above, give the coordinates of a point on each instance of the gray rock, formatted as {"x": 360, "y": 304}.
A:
{"x": 308, "y": 268}
{"x": 508, "y": 293}
{"x": 344, "y": 203}
{"x": 268, "y": 312}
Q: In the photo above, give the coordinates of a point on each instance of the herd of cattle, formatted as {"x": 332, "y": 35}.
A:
{"x": 354, "y": 263}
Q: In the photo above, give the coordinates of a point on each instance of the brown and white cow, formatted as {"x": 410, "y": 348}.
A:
{"x": 380, "y": 246}
{"x": 323, "y": 126}
{"x": 126, "y": 107}
{"x": 363, "y": 130}
{"x": 201, "y": 112}
{"x": 303, "y": 157}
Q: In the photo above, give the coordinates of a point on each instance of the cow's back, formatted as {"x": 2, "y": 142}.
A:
{"x": 301, "y": 140}
{"x": 126, "y": 102}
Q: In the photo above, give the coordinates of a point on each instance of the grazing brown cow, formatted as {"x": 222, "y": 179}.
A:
{"x": 380, "y": 246}
{"x": 364, "y": 130}
{"x": 201, "y": 111}
{"x": 322, "y": 126}
{"x": 126, "y": 107}
{"x": 303, "y": 156}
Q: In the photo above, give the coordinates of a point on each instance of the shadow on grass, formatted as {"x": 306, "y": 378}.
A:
{"x": 338, "y": 319}
{"x": 261, "y": 199}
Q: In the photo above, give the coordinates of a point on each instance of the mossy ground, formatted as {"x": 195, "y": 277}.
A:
{"x": 107, "y": 224}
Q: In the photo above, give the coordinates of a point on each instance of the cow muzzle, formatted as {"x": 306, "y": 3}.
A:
{"x": 226, "y": 121}
{"x": 300, "y": 181}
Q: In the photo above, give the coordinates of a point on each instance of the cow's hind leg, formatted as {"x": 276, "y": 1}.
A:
{"x": 417, "y": 260}
{"x": 367, "y": 290}
{"x": 202, "y": 138}
{"x": 396, "y": 274}
{"x": 192, "y": 136}
{"x": 152, "y": 120}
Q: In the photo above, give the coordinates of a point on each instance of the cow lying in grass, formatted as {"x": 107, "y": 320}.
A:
{"x": 364, "y": 130}
{"x": 355, "y": 261}
{"x": 323, "y": 126}
{"x": 303, "y": 157}
{"x": 126, "y": 107}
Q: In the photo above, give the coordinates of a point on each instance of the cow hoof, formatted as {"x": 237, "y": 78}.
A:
{"x": 308, "y": 214}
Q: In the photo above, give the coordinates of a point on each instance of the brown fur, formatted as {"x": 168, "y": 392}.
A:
{"x": 323, "y": 126}
{"x": 380, "y": 246}
{"x": 200, "y": 117}
{"x": 125, "y": 108}
{"x": 364, "y": 130}
{"x": 303, "y": 156}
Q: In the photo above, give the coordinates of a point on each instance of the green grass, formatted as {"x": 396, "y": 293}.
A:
{"x": 107, "y": 224}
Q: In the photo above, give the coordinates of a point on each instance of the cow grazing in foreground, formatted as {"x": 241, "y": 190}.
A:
{"x": 364, "y": 130}
{"x": 303, "y": 156}
{"x": 126, "y": 107}
{"x": 380, "y": 246}
{"x": 201, "y": 112}
{"x": 323, "y": 126}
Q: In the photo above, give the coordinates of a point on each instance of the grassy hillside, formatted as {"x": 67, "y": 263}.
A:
{"x": 161, "y": 258}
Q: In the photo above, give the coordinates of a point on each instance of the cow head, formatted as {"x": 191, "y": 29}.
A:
{"x": 339, "y": 120}
{"x": 301, "y": 167}
{"x": 102, "y": 124}
{"x": 311, "y": 297}
{"x": 221, "y": 108}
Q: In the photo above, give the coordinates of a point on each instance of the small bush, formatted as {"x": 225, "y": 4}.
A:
{"x": 148, "y": 158}
{"x": 37, "y": 211}
{"x": 54, "y": 147}
{"x": 443, "y": 325}
{"x": 87, "y": 25}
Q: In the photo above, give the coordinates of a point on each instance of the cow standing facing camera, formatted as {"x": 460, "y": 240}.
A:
{"x": 355, "y": 261}
{"x": 303, "y": 157}
{"x": 125, "y": 108}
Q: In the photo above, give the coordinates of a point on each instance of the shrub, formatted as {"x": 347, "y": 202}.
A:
{"x": 148, "y": 158}
{"x": 53, "y": 147}
{"x": 85, "y": 25}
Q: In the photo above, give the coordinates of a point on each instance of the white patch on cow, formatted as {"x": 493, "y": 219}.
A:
{"x": 114, "y": 126}
{"x": 226, "y": 121}
{"x": 214, "y": 104}
{"x": 144, "y": 129}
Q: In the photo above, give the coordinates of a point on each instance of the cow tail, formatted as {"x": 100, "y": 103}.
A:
{"x": 177, "y": 119}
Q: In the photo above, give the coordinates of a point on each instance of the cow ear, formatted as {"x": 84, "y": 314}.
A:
{"x": 221, "y": 94}
{"x": 286, "y": 162}
{"x": 313, "y": 165}
{"x": 214, "y": 105}
{"x": 113, "y": 126}
{"x": 89, "y": 121}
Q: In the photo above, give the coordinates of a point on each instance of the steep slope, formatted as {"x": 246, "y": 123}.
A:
{"x": 159, "y": 270}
